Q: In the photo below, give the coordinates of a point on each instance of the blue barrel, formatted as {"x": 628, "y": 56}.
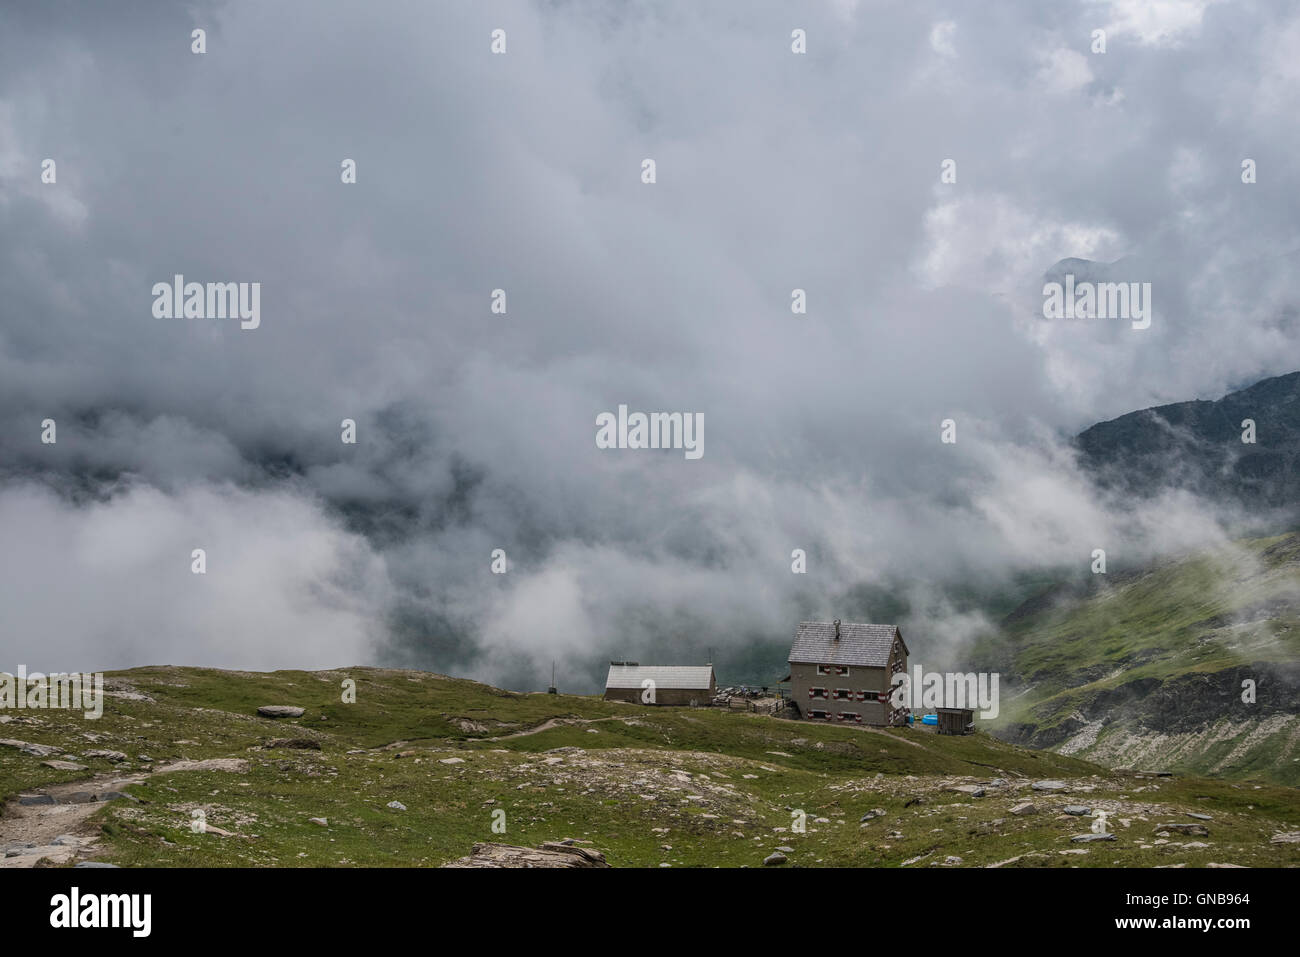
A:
{"x": 930, "y": 719}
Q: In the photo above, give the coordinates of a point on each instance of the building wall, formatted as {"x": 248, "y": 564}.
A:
{"x": 682, "y": 697}
{"x": 804, "y": 677}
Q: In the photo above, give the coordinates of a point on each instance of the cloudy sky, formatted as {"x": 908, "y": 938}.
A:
{"x": 522, "y": 171}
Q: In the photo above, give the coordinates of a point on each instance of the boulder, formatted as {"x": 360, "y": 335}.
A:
{"x": 773, "y": 859}
{"x": 280, "y": 711}
{"x": 1020, "y": 810}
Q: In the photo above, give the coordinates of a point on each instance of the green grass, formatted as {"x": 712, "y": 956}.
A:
{"x": 646, "y": 786}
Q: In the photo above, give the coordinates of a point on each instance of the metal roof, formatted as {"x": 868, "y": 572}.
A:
{"x": 859, "y": 644}
{"x": 686, "y": 677}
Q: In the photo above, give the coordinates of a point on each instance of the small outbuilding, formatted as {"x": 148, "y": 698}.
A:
{"x": 688, "y": 685}
{"x": 956, "y": 720}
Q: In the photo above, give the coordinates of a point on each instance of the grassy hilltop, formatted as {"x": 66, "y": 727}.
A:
{"x": 647, "y": 786}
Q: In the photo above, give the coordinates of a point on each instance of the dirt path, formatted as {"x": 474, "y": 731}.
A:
{"x": 548, "y": 725}
{"x": 67, "y": 820}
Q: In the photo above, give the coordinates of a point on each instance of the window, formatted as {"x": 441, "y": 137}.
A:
{"x": 817, "y": 693}
{"x": 843, "y": 694}
{"x": 820, "y": 715}
{"x": 842, "y": 670}
{"x": 850, "y": 716}
{"x": 872, "y": 696}
{"x": 823, "y": 669}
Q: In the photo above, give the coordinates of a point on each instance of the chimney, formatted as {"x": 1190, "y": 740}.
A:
{"x": 837, "y": 629}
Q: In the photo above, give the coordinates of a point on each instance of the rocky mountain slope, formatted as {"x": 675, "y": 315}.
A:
{"x": 182, "y": 770}
{"x": 1155, "y": 667}
{"x": 1197, "y": 446}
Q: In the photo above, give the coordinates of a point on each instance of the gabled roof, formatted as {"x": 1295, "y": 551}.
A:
{"x": 685, "y": 677}
{"x": 866, "y": 646}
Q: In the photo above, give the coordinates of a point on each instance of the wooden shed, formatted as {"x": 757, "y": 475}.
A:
{"x": 956, "y": 720}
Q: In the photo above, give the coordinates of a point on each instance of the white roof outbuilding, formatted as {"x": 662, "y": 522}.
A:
{"x": 668, "y": 677}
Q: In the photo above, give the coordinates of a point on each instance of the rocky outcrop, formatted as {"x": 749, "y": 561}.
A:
{"x": 550, "y": 854}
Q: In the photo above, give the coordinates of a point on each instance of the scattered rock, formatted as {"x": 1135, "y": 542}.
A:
{"x": 233, "y": 765}
{"x": 1285, "y": 837}
{"x": 973, "y": 790}
{"x": 29, "y": 800}
{"x": 399, "y": 806}
{"x": 1020, "y": 810}
{"x": 1049, "y": 786}
{"x": 776, "y": 857}
{"x": 462, "y": 760}
{"x": 65, "y": 765}
{"x": 1195, "y": 830}
{"x": 39, "y": 750}
{"x": 1089, "y": 838}
{"x": 1199, "y": 817}
{"x": 106, "y": 755}
{"x": 1076, "y": 810}
{"x": 323, "y": 822}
